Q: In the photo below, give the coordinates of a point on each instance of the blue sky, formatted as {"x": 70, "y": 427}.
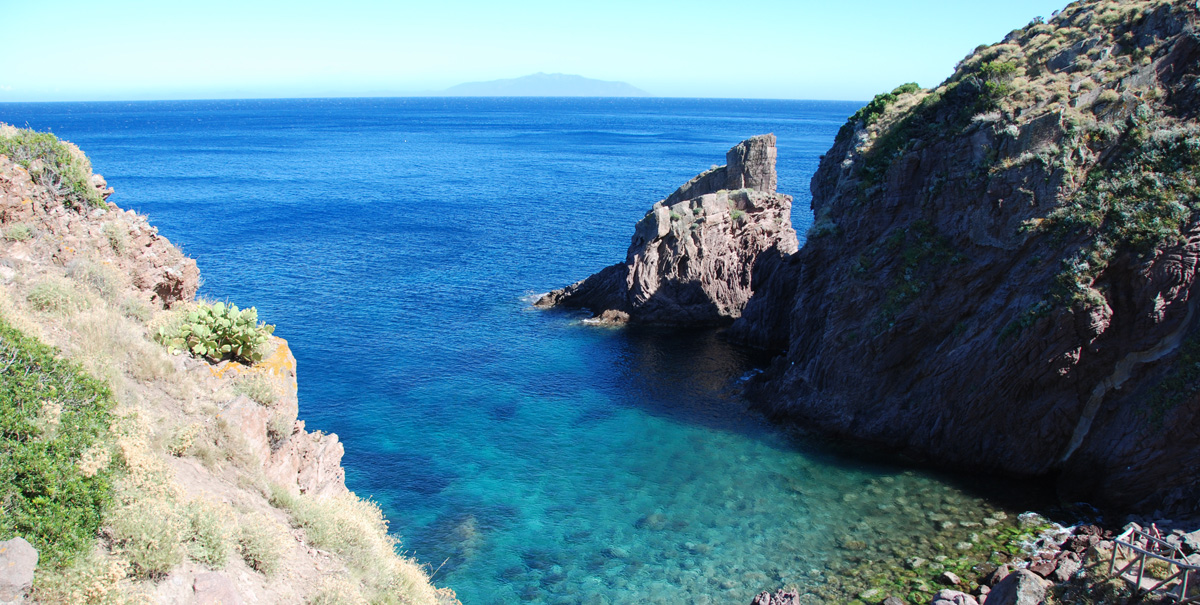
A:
{"x": 62, "y": 50}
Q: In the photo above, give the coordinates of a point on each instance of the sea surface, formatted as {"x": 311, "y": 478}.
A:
{"x": 523, "y": 455}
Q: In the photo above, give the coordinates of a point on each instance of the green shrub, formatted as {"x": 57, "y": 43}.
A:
{"x": 54, "y": 164}
{"x": 211, "y": 532}
{"x": 737, "y": 215}
{"x": 260, "y": 544}
{"x": 871, "y": 112}
{"x": 218, "y": 331}
{"x": 18, "y": 232}
{"x": 997, "y": 77}
{"x": 53, "y": 296}
{"x": 52, "y": 417}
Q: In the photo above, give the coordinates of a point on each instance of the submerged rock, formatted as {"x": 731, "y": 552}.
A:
{"x": 693, "y": 256}
{"x": 781, "y": 597}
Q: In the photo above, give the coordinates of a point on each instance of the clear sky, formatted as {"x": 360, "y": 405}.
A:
{"x": 65, "y": 50}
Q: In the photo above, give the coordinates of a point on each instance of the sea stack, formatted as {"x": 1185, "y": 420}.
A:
{"x": 692, "y": 257}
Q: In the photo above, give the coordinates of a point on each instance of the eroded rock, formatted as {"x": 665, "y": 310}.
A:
{"x": 692, "y": 257}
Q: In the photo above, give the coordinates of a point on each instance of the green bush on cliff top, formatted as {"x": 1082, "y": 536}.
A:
{"x": 53, "y": 164}
{"x": 871, "y": 112}
{"x": 54, "y": 449}
{"x": 218, "y": 331}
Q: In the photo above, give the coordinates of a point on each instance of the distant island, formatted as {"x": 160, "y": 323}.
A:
{"x": 546, "y": 85}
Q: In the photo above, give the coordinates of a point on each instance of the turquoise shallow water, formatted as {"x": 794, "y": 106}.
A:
{"x": 523, "y": 455}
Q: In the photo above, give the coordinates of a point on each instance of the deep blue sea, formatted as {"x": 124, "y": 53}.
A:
{"x": 526, "y": 456}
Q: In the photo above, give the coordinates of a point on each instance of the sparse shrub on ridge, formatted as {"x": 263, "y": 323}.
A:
{"x": 57, "y": 165}
{"x": 55, "y": 296}
{"x": 257, "y": 387}
{"x": 356, "y": 530}
{"x": 18, "y": 232}
{"x": 211, "y": 532}
{"x": 117, "y": 236}
{"x": 218, "y": 331}
{"x": 261, "y": 543}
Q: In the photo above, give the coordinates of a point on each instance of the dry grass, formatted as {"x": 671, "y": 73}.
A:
{"x": 211, "y": 532}
{"x": 258, "y": 387}
{"x": 356, "y": 530}
{"x": 104, "y": 278}
{"x": 96, "y": 579}
{"x": 56, "y": 296}
{"x": 261, "y": 542}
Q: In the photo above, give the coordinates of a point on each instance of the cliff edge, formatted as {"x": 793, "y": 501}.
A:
{"x": 145, "y": 476}
{"x": 1002, "y": 269}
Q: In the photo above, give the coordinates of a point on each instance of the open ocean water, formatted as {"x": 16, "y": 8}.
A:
{"x": 527, "y": 457}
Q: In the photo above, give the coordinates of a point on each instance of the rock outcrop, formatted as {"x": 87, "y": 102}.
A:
{"x": 120, "y": 239}
{"x": 301, "y": 461}
{"x": 1001, "y": 272}
{"x": 693, "y": 256}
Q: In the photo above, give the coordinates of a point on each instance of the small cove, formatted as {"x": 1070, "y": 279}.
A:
{"x": 526, "y": 456}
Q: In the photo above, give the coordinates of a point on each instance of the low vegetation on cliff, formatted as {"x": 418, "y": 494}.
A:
{"x": 151, "y": 449}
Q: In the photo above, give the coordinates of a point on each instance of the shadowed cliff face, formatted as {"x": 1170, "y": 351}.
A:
{"x": 1001, "y": 272}
{"x": 691, "y": 257}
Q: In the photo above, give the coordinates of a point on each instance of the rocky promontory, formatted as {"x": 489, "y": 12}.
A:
{"x": 1001, "y": 272}
{"x": 692, "y": 257}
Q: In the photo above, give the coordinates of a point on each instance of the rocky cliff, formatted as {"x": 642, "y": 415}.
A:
{"x": 1001, "y": 272}
{"x": 692, "y": 257}
{"x": 218, "y": 493}
{"x": 1001, "y": 269}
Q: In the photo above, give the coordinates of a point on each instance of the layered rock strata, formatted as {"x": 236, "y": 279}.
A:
{"x": 692, "y": 257}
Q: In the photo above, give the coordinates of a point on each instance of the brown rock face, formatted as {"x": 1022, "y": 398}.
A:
{"x": 119, "y": 238}
{"x": 1001, "y": 272}
{"x": 294, "y": 458}
{"x": 692, "y": 257}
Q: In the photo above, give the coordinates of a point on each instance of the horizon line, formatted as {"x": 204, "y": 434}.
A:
{"x": 437, "y": 96}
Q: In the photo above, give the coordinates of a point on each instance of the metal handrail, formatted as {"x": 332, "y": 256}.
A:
{"x": 1129, "y": 540}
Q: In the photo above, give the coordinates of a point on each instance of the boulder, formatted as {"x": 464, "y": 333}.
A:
{"x": 949, "y": 579}
{"x": 1021, "y": 587}
{"x": 1067, "y": 567}
{"x": 214, "y": 588}
{"x": 17, "y": 562}
{"x": 953, "y": 597}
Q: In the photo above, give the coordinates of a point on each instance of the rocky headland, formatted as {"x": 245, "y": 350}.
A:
{"x": 1000, "y": 274}
{"x": 180, "y": 478}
